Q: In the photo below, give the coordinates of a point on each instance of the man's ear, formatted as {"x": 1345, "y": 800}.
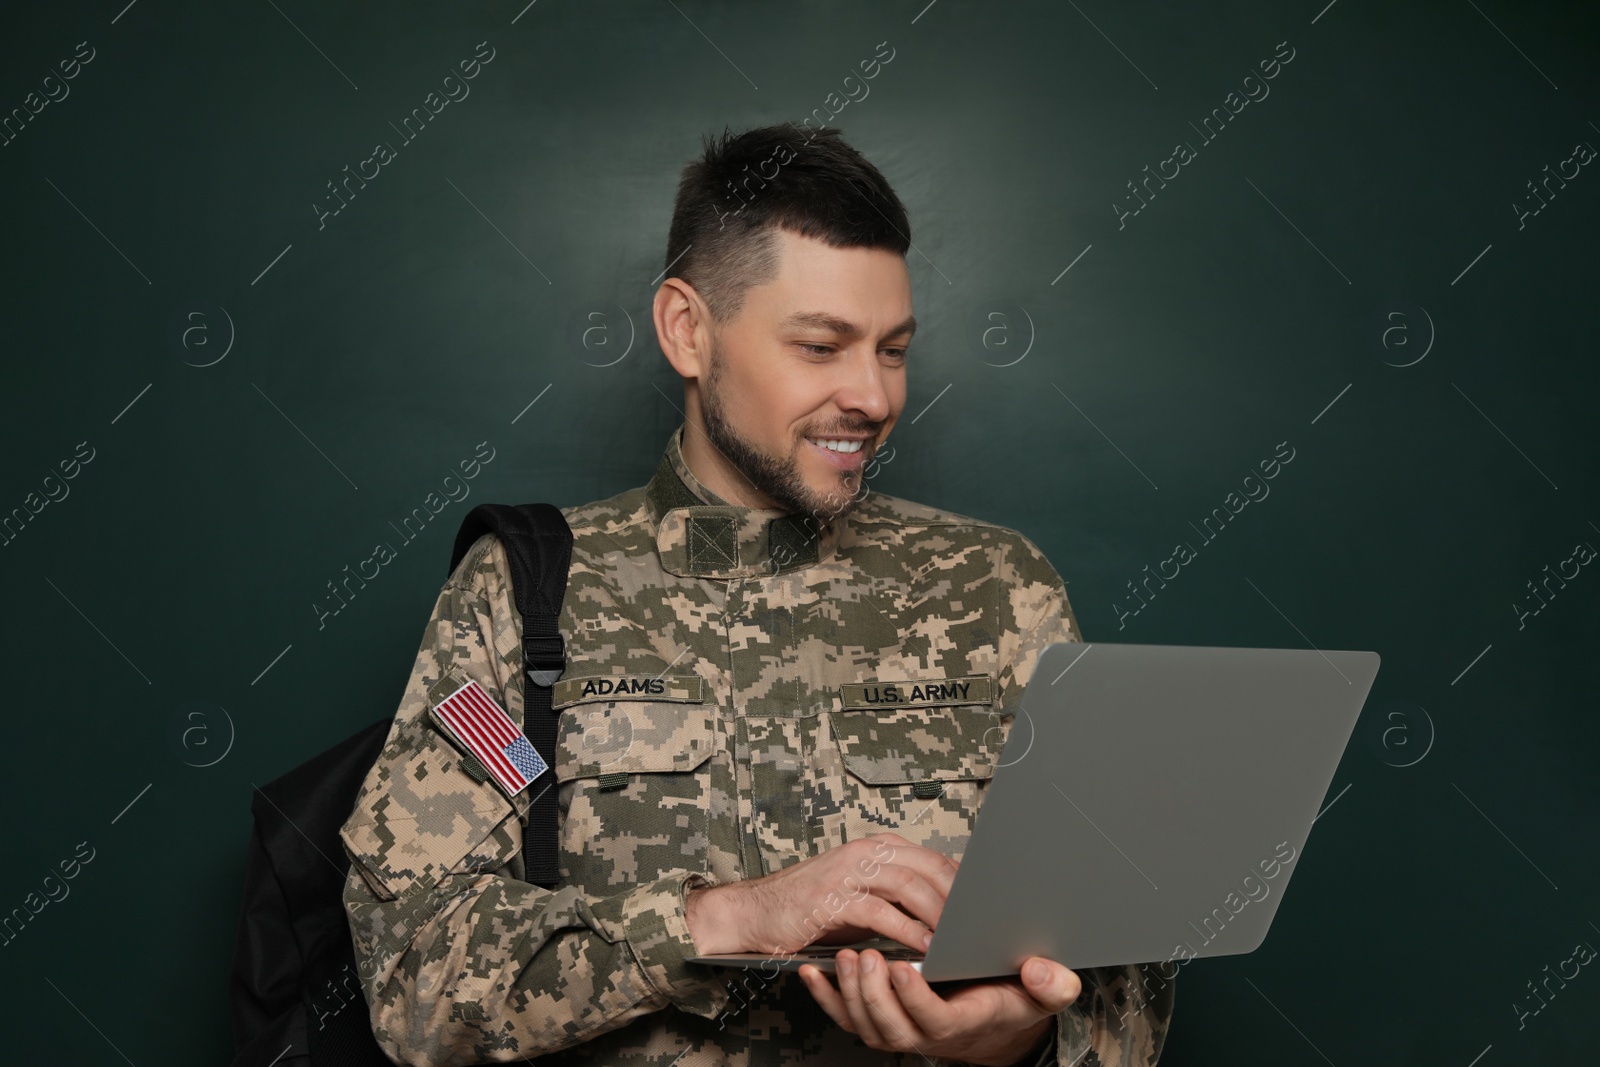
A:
{"x": 682, "y": 321}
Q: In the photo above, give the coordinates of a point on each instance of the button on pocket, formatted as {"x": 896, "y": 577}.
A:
{"x": 918, "y": 772}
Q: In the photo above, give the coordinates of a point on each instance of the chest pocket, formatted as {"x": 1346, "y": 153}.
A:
{"x": 916, "y": 763}
{"x": 634, "y": 789}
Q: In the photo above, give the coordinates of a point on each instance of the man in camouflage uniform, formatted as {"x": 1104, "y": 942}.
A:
{"x": 725, "y": 753}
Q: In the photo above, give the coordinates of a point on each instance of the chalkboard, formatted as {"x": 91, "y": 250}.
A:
{"x": 1155, "y": 246}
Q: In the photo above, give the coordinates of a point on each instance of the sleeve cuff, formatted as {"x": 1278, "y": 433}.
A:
{"x": 1074, "y": 1030}
{"x": 1097, "y": 1020}
{"x": 1050, "y": 1057}
{"x": 657, "y": 931}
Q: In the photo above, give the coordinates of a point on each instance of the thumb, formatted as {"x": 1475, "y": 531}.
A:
{"x": 1052, "y": 985}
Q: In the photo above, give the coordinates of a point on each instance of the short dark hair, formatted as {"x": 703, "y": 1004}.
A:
{"x": 730, "y": 204}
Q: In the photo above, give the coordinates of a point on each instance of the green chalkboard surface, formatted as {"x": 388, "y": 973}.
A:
{"x": 1142, "y": 268}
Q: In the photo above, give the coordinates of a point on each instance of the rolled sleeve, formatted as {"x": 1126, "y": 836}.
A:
{"x": 652, "y": 919}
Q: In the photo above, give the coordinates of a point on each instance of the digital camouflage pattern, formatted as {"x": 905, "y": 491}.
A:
{"x": 743, "y": 689}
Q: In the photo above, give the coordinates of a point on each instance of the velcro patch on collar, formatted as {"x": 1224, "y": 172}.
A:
{"x": 685, "y": 688}
{"x": 917, "y": 692}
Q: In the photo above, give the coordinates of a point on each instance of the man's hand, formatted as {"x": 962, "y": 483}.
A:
{"x": 891, "y": 1008}
{"x": 881, "y": 885}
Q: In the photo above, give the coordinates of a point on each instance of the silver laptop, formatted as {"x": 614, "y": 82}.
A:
{"x": 1152, "y": 804}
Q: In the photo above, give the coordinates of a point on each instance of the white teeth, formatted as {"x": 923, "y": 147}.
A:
{"x": 839, "y": 446}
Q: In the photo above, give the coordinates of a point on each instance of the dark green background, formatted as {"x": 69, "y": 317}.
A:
{"x": 1191, "y": 342}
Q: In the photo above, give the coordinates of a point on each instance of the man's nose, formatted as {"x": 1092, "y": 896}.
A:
{"x": 863, "y": 388}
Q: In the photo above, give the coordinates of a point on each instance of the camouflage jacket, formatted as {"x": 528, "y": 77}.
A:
{"x": 714, "y": 725}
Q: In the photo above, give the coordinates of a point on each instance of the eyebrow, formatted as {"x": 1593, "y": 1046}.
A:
{"x": 821, "y": 320}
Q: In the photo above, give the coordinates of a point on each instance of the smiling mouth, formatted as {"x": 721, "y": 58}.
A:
{"x": 847, "y": 454}
{"x": 843, "y": 445}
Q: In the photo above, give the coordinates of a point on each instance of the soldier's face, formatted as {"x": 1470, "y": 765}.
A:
{"x": 810, "y": 376}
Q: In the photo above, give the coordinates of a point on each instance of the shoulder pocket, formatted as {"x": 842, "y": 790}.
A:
{"x": 420, "y": 815}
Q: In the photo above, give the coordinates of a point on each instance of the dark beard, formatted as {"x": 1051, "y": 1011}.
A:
{"x": 779, "y": 479}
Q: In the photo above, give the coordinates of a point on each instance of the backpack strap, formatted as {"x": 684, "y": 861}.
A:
{"x": 538, "y": 546}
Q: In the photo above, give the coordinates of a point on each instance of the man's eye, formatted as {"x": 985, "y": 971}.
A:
{"x": 822, "y": 350}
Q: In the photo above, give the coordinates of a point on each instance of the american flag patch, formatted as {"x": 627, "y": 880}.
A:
{"x": 485, "y": 730}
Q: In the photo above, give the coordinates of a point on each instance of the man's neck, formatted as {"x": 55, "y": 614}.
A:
{"x": 715, "y": 472}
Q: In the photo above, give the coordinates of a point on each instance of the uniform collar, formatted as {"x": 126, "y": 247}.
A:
{"x": 700, "y": 535}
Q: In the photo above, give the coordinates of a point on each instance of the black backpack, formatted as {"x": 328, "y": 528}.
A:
{"x": 294, "y": 991}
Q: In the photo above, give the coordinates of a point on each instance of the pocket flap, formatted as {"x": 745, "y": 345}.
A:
{"x": 901, "y": 745}
{"x": 633, "y": 735}
{"x": 419, "y": 816}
